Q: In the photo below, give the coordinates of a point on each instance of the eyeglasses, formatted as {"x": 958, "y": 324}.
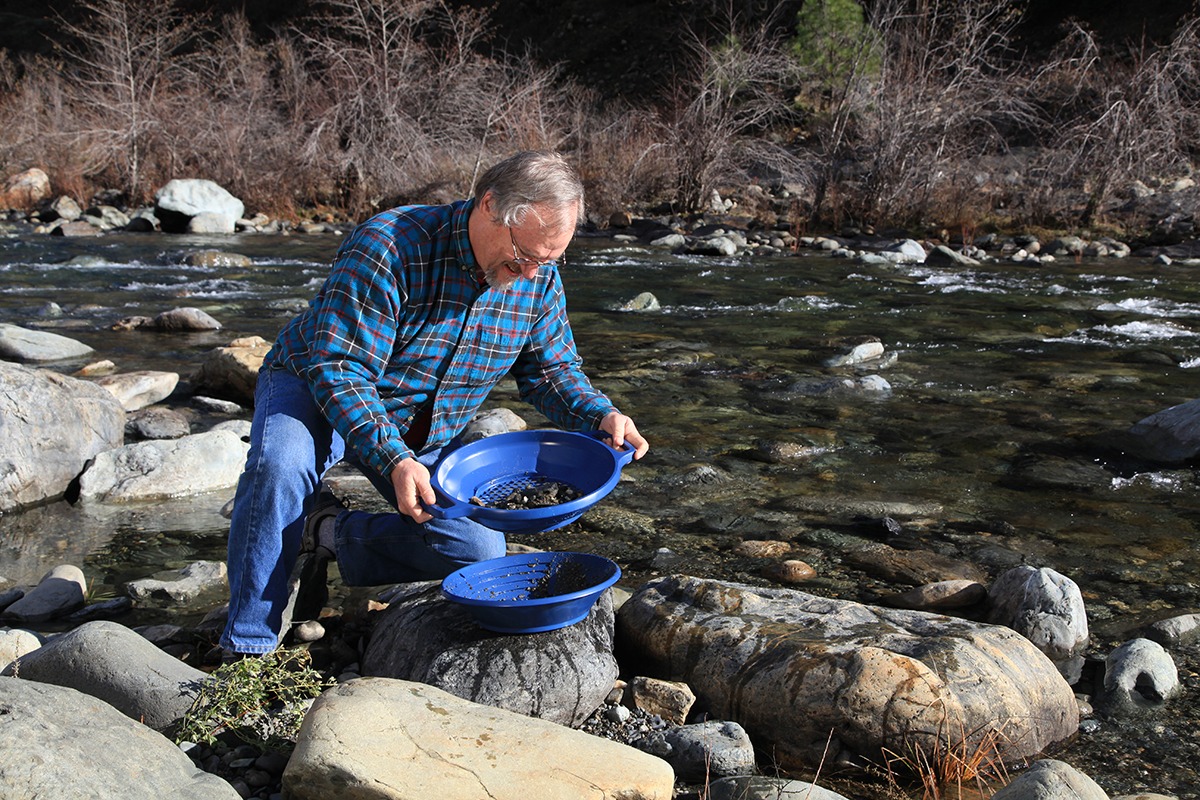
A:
{"x": 524, "y": 261}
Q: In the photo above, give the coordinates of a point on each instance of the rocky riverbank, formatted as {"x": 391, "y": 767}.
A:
{"x": 743, "y": 680}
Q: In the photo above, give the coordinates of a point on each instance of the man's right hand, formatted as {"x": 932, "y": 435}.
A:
{"x": 410, "y": 480}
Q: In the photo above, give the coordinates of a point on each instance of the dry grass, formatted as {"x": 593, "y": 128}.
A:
{"x": 951, "y": 764}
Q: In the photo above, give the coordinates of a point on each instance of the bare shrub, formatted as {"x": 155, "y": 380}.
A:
{"x": 1116, "y": 123}
{"x": 120, "y": 72}
{"x": 903, "y": 136}
{"x": 618, "y": 154}
{"x": 413, "y": 102}
{"x": 714, "y": 122}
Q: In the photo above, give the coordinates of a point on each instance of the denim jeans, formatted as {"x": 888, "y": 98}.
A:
{"x": 292, "y": 446}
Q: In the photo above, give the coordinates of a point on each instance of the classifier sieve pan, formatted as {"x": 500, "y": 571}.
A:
{"x": 490, "y": 469}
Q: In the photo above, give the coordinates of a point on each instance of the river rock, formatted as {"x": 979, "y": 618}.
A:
{"x": 16, "y": 642}
{"x": 1046, "y": 608}
{"x": 233, "y": 370}
{"x": 179, "y": 587}
{"x": 941, "y": 595}
{"x": 791, "y": 667}
{"x": 761, "y": 787}
{"x": 561, "y": 675}
{"x": 491, "y": 422}
{"x": 216, "y": 258}
{"x": 25, "y": 190}
{"x": 670, "y": 700}
{"x": 941, "y": 255}
{"x": 157, "y": 423}
{"x": 914, "y": 567}
{"x": 209, "y": 222}
{"x": 1050, "y": 779}
{"x": 382, "y": 738}
{"x": 176, "y": 203}
{"x": 1179, "y": 629}
{"x": 1139, "y": 676}
{"x": 201, "y": 462}
{"x": 717, "y": 749}
{"x": 28, "y": 346}
{"x": 1171, "y": 436}
{"x": 113, "y": 663}
{"x": 136, "y": 390}
{"x": 59, "y": 592}
{"x": 58, "y": 742}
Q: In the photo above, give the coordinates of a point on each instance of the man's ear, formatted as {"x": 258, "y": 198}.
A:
{"x": 487, "y": 204}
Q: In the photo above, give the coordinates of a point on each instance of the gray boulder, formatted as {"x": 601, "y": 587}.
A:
{"x": 113, "y": 663}
{"x": 58, "y": 742}
{"x": 1050, "y": 779}
{"x": 50, "y": 427}
{"x": 561, "y": 675}
{"x": 25, "y": 346}
{"x": 1046, "y": 608}
{"x": 176, "y": 203}
{"x": 200, "y": 462}
{"x": 791, "y": 667}
{"x": 1139, "y": 676}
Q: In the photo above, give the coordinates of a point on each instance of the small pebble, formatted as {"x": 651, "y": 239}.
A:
{"x": 791, "y": 571}
{"x": 618, "y": 714}
{"x": 309, "y": 631}
{"x": 1089, "y": 726}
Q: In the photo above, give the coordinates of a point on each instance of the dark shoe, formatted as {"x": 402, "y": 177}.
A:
{"x": 327, "y": 506}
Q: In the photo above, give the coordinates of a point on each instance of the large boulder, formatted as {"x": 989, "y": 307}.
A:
{"x": 388, "y": 739}
{"x": 159, "y": 468}
{"x": 25, "y": 190}
{"x": 561, "y": 675}
{"x": 51, "y": 426}
{"x": 112, "y": 663}
{"x": 176, "y": 203}
{"x": 791, "y": 668}
{"x": 1047, "y": 609}
{"x": 58, "y": 742}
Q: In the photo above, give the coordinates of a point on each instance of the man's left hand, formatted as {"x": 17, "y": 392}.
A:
{"x": 621, "y": 429}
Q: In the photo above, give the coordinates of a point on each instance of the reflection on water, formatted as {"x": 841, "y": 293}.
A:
{"x": 1004, "y": 374}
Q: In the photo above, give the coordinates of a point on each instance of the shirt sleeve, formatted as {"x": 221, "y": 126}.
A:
{"x": 355, "y": 331}
{"x": 549, "y": 371}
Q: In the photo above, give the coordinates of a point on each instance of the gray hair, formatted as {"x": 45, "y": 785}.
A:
{"x": 529, "y": 179}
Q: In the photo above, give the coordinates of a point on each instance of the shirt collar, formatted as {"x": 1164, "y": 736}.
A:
{"x": 462, "y": 242}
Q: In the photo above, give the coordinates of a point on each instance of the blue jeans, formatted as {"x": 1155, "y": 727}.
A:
{"x": 291, "y": 446}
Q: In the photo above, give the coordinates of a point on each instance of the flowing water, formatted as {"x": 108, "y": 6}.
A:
{"x": 1007, "y": 381}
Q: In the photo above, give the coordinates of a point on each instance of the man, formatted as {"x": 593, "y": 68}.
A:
{"x": 426, "y": 308}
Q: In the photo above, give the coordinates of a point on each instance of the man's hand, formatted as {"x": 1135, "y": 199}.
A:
{"x": 410, "y": 480}
{"x": 621, "y": 429}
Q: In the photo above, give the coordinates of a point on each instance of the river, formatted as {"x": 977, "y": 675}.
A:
{"x": 982, "y": 444}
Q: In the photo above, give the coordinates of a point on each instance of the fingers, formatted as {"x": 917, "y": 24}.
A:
{"x": 410, "y": 480}
{"x": 621, "y": 429}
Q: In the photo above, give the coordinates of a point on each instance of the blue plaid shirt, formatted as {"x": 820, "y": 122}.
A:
{"x": 402, "y": 319}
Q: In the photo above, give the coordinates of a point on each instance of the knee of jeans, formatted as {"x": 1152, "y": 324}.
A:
{"x": 485, "y": 545}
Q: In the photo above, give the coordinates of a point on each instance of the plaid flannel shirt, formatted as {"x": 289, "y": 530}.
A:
{"x": 403, "y": 319}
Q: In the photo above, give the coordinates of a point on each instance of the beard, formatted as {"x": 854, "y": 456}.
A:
{"x": 500, "y": 277}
